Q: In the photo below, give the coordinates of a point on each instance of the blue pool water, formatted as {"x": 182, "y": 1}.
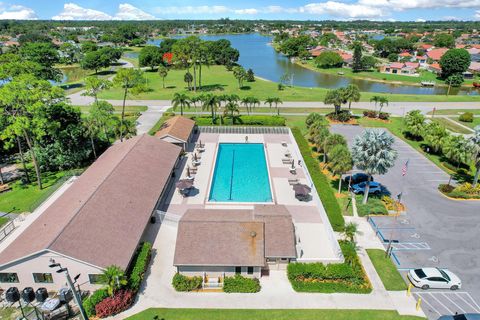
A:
{"x": 240, "y": 174}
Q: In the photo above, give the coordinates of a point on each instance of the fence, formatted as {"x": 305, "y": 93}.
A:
{"x": 6, "y": 230}
{"x": 168, "y": 218}
{"x": 243, "y": 130}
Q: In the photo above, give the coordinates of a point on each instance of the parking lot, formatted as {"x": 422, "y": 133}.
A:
{"x": 435, "y": 231}
{"x": 436, "y": 304}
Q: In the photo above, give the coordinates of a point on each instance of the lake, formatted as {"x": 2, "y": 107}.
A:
{"x": 257, "y": 53}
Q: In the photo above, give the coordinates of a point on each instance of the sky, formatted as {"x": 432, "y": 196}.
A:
{"x": 387, "y": 10}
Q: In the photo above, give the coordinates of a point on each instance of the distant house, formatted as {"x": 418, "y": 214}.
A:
{"x": 97, "y": 222}
{"x": 404, "y": 68}
{"x": 426, "y": 47}
{"x": 474, "y": 67}
{"x": 315, "y": 52}
{"x": 405, "y": 55}
{"x": 215, "y": 242}
{"x": 435, "y": 68}
{"x": 421, "y": 59}
{"x": 347, "y": 58}
{"x": 177, "y": 130}
{"x": 437, "y": 53}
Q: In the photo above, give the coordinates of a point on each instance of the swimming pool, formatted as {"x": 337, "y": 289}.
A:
{"x": 240, "y": 174}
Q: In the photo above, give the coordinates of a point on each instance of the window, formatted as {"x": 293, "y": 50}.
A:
{"x": 42, "y": 278}
{"x": 250, "y": 270}
{"x": 8, "y": 277}
{"x": 95, "y": 278}
{"x": 238, "y": 270}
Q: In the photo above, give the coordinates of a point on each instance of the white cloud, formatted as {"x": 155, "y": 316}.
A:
{"x": 128, "y": 12}
{"x": 246, "y": 11}
{"x": 399, "y": 5}
{"x": 477, "y": 14}
{"x": 279, "y": 9}
{"x": 420, "y": 20}
{"x": 342, "y": 10}
{"x": 192, "y": 10}
{"x": 17, "y": 12}
{"x": 72, "y": 11}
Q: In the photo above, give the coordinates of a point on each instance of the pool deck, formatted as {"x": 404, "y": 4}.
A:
{"x": 313, "y": 233}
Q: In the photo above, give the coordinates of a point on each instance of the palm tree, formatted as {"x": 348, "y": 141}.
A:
{"x": 373, "y": 153}
{"x": 475, "y": 147}
{"x": 180, "y": 99}
{"x": 336, "y": 97}
{"x": 375, "y": 99}
{"x": 350, "y": 231}
{"x": 94, "y": 85}
{"x": 254, "y": 102}
{"x": 433, "y": 134}
{"x": 245, "y": 103}
{"x": 383, "y": 102}
{"x": 333, "y": 140}
{"x": 313, "y": 118}
{"x": 340, "y": 162}
{"x": 415, "y": 123}
{"x": 210, "y": 102}
{"x": 274, "y": 100}
{"x": 456, "y": 149}
{"x": 163, "y": 73}
{"x": 91, "y": 130}
{"x": 352, "y": 94}
{"x": 230, "y": 109}
{"x": 114, "y": 279}
{"x": 188, "y": 78}
{"x": 232, "y": 98}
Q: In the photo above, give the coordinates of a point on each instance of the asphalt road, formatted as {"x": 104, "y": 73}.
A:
{"x": 451, "y": 228}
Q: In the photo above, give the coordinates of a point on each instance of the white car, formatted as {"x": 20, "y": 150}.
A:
{"x": 434, "y": 278}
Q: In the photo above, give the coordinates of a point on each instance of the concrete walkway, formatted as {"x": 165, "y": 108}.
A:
{"x": 149, "y": 118}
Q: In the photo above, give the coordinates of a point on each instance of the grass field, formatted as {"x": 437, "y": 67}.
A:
{"x": 391, "y": 278}
{"x": 476, "y": 122}
{"x": 252, "y": 314}
{"x": 452, "y": 126}
{"x": 218, "y": 80}
{"x": 448, "y": 112}
{"x": 118, "y": 109}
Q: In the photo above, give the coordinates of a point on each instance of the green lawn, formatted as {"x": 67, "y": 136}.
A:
{"x": 447, "y": 112}
{"x": 118, "y": 109}
{"x": 452, "y": 126}
{"x": 374, "y": 205}
{"x": 476, "y": 122}
{"x": 25, "y": 198}
{"x": 252, "y": 314}
{"x": 391, "y": 278}
{"x": 375, "y": 75}
{"x": 218, "y": 80}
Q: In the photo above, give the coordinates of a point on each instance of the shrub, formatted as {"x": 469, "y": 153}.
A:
{"x": 446, "y": 188}
{"x": 466, "y": 117}
{"x": 341, "y": 116}
{"x": 121, "y": 301}
{"x": 321, "y": 183}
{"x": 140, "y": 266}
{"x": 369, "y": 114}
{"x": 244, "y": 120}
{"x": 183, "y": 283}
{"x": 373, "y": 206}
{"x": 241, "y": 284}
{"x": 384, "y": 115}
{"x": 95, "y": 298}
{"x": 468, "y": 188}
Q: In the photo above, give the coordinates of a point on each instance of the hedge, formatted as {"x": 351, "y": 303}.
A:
{"x": 321, "y": 183}
{"x": 121, "y": 301}
{"x": 140, "y": 266}
{"x": 244, "y": 120}
{"x": 241, "y": 284}
{"x": 373, "y": 206}
{"x": 184, "y": 283}
{"x": 339, "y": 277}
{"x": 91, "y": 302}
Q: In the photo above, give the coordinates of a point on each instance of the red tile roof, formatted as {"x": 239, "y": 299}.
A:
{"x": 405, "y": 54}
{"x": 437, "y": 53}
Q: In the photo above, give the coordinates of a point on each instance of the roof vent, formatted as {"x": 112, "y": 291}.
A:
{"x": 253, "y": 234}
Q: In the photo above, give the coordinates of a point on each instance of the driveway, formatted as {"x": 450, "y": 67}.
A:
{"x": 450, "y": 228}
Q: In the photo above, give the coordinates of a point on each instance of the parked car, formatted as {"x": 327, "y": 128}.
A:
{"x": 434, "y": 278}
{"x": 375, "y": 188}
{"x": 466, "y": 316}
{"x": 357, "y": 178}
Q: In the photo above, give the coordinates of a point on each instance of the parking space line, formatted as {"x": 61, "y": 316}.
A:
{"x": 444, "y": 306}
{"x": 460, "y": 308}
{"x": 431, "y": 307}
{"x": 477, "y": 309}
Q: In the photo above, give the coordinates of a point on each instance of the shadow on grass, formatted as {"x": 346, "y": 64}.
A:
{"x": 105, "y": 73}
{"x": 246, "y": 88}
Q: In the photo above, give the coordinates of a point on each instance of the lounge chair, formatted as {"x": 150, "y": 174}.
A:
{"x": 293, "y": 181}
{"x": 287, "y": 161}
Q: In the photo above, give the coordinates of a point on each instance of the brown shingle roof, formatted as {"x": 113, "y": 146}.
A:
{"x": 178, "y": 127}
{"x": 217, "y": 237}
{"x": 113, "y": 198}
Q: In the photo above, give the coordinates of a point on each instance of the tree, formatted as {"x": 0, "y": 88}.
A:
{"x": 91, "y": 130}
{"x": 274, "y": 100}
{"x": 180, "y": 100}
{"x": 150, "y": 56}
{"x": 433, "y": 134}
{"x": 350, "y": 231}
{"x": 455, "y": 80}
{"x": 337, "y": 97}
{"x": 444, "y": 40}
{"x": 456, "y": 149}
{"x": 230, "y": 109}
{"x": 375, "y": 99}
{"x": 475, "y": 147}
{"x": 340, "y": 162}
{"x": 357, "y": 58}
{"x": 250, "y": 76}
{"x": 95, "y": 60}
{"x": 373, "y": 153}
{"x": 163, "y": 73}
{"x": 103, "y": 113}
{"x": 69, "y": 53}
{"x": 329, "y": 59}
{"x": 240, "y": 74}
{"x": 210, "y": 102}
{"x": 95, "y": 85}
{"x": 313, "y": 118}
{"x": 454, "y": 61}
{"x": 392, "y": 57}
{"x": 130, "y": 80}
{"x": 415, "y": 123}
{"x": 332, "y": 140}
{"x": 368, "y": 62}
{"x": 383, "y": 101}
{"x": 188, "y": 78}
{"x": 352, "y": 94}
{"x": 114, "y": 279}
{"x": 45, "y": 55}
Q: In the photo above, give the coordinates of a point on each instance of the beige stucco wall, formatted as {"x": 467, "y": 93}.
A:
{"x": 40, "y": 264}
{"x": 217, "y": 271}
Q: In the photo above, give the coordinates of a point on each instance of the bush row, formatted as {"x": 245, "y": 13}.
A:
{"x": 341, "y": 116}
{"x": 184, "y": 283}
{"x": 121, "y": 301}
{"x": 241, "y": 284}
{"x": 375, "y": 114}
{"x": 93, "y": 300}
{"x": 243, "y": 120}
{"x": 463, "y": 191}
{"x": 373, "y": 206}
{"x": 322, "y": 185}
{"x": 140, "y": 266}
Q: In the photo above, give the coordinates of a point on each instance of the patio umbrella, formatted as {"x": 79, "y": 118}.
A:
{"x": 195, "y": 156}
{"x": 293, "y": 164}
{"x": 188, "y": 171}
{"x": 200, "y": 143}
{"x": 184, "y": 184}
{"x": 301, "y": 189}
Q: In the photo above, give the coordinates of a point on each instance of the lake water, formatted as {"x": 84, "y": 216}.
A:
{"x": 257, "y": 53}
